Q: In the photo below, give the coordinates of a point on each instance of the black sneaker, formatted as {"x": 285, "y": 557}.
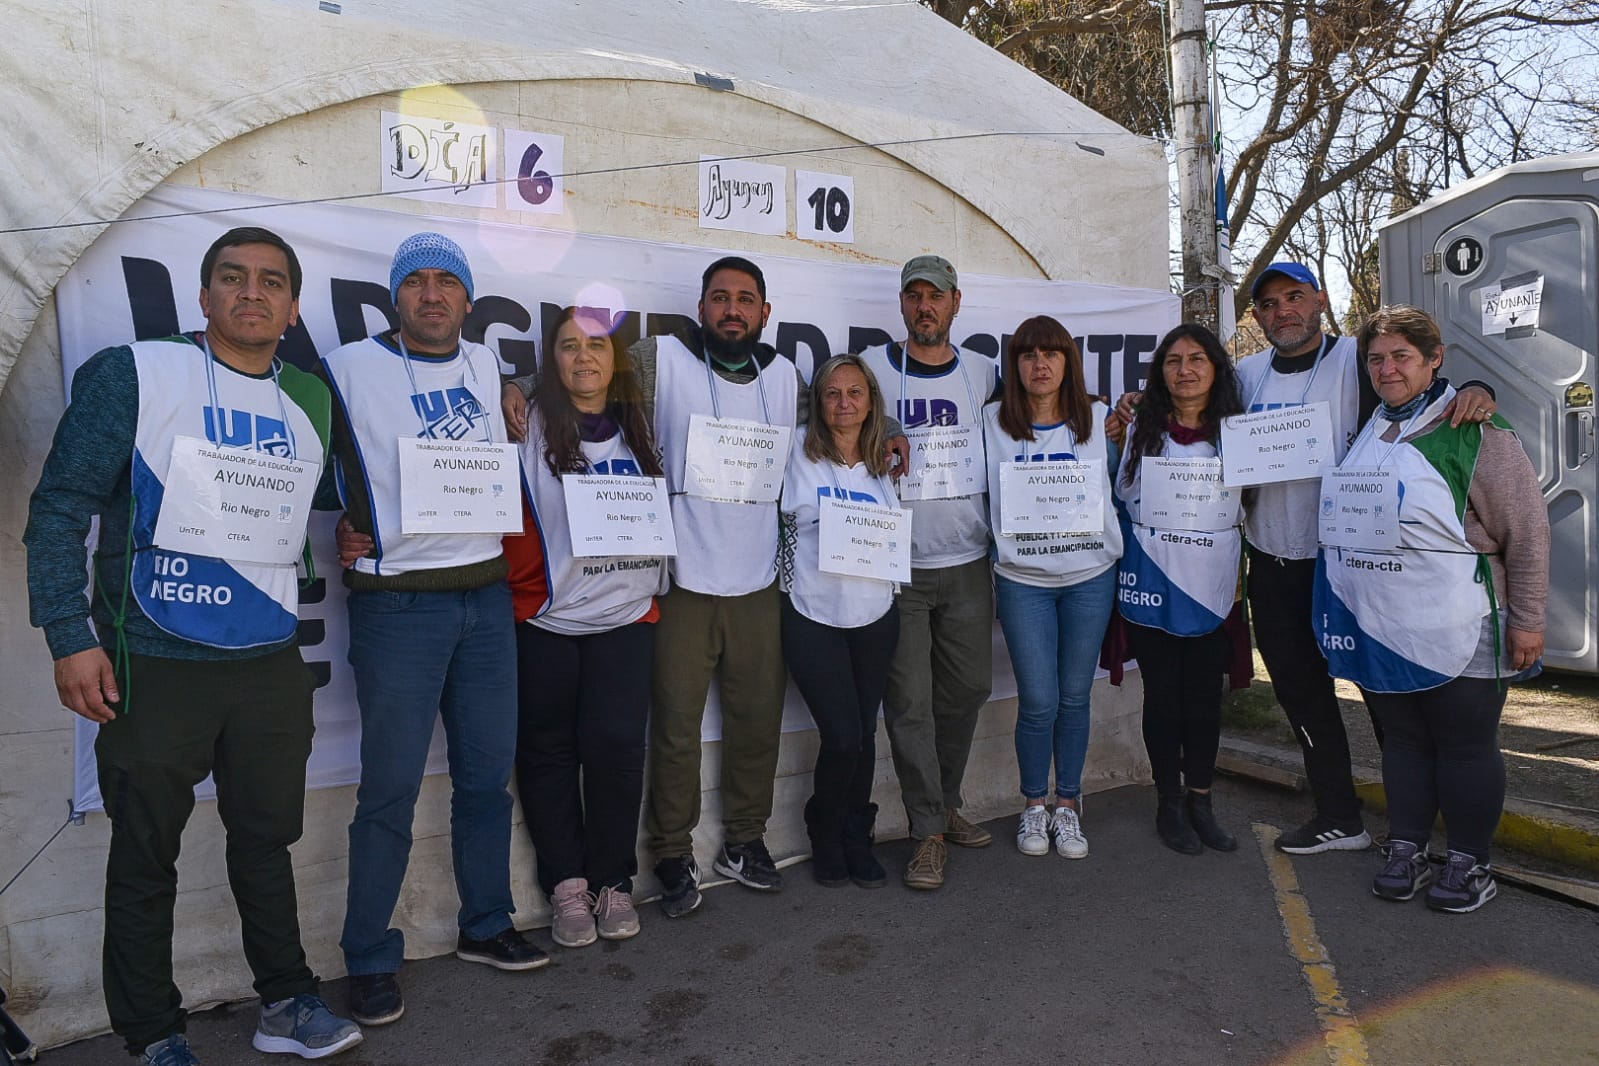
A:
{"x": 1319, "y": 834}
{"x": 679, "y": 876}
{"x": 749, "y": 864}
{"x": 375, "y": 998}
{"x": 1405, "y": 871}
{"x": 505, "y": 950}
{"x": 1464, "y": 885}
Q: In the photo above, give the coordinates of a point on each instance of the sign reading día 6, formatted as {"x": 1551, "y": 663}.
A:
{"x": 450, "y": 162}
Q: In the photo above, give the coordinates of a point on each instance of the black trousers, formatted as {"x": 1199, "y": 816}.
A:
{"x": 1441, "y": 753}
{"x": 841, "y": 673}
{"x": 1182, "y": 704}
{"x": 1280, "y": 595}
{"x": 583, "y": 705}
{"x": 248, "y": 723}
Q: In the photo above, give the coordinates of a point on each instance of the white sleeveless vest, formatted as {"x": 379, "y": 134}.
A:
{"x": 455, "y": 399}
{"x": 1407, "y": 621}
{"x": 1050, "y": 560}
{"x": 214, "y": 602}
{"x": 1179, "y": 581}
{"x": 1281, "y": 519}
{"x": 587, "y": 595}
{"x": 943, "y": 532}
{"x": 840, "y": 600}
{"x": 723, "y": 549}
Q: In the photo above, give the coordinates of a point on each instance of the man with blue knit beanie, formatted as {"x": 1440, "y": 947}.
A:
{"x": 431, "y": 622}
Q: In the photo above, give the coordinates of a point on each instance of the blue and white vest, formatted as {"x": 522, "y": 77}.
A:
{"x": 1280, "y": 519}
{"x": 214, "y": 602}
{"x": 1408, "y": 621}
{"x": 1175, "y": 580}
{"x": 953, "y": 531}
{"x": 454, "y": 399}
{"x": 588, "y": 594}
{"x": 840, "y": 600}
{"x": 723, "y": 549}
{"x": 1051, "y": 560}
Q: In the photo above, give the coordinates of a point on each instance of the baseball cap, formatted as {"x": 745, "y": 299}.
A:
{"x": 933, "y": 269}
{"x": 1295, "y": 271}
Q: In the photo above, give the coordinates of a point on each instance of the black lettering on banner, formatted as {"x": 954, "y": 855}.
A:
{"x": 984, "y": 343}
{"x": 1135, "y": 368}
{"x": 1102, "y": 346}
{"x": 656, "y": 325}
{"x": 350, "y": 298}
{"x": 790, "y": 335}
{"x": 155, "y": 311}
{"x": 864, "y": 337}
{"x": 521, "y": 355}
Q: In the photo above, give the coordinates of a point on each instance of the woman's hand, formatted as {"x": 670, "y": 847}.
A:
{"x": 1525, "y": 648}
{"x": 514, "y": 405}
{"x": 899, "y": 456}
{"x": 1471, "y": 404}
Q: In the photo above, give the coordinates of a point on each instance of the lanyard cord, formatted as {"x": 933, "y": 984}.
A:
{"x": 904, "y": 361}
{"x": 1315, "y": 368}
{"x": 760, "y": 387}
{"x": 427, "y": 430}
{"x": 216, "y": 404}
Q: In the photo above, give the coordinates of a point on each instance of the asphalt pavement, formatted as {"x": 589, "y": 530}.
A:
{"x": 1134, "y": 955}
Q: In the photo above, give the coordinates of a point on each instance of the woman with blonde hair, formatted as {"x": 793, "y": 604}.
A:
{"x": 839, "y": 631}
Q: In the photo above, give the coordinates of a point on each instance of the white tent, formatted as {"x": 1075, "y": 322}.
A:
{"x": 947, "y": 146}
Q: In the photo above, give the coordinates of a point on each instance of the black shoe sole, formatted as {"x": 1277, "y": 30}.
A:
{"x": 743, "y": 879}
{"x": 875, "y": 882}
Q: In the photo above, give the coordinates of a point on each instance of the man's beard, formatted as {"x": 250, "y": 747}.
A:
{"x": 1289, "y": 338}
{"x": 930, "y": 339}
{"x": 730, "y": 353}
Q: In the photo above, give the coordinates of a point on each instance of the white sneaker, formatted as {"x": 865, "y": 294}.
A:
{"x": 1032, "y": 836}
{"x": 1067, "y": 830}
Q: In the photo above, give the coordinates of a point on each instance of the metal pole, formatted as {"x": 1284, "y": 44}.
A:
{"x": 1196, "y": 163}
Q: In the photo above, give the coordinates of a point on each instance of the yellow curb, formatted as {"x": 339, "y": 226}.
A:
{"x": 1518, "y": 829}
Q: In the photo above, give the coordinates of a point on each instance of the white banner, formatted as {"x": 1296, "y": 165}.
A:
{"x": 140, "y": 278}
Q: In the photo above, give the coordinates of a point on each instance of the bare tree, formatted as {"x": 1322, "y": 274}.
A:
{"x": 1319, "y": 98}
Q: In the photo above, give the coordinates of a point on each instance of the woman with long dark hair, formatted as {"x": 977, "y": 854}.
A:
{"x": 1179, "y": 578}
{"x": 1053, "y": 590}
{"x": 585, "y": 643}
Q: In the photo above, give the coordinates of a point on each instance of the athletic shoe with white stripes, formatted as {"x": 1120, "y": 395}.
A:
{"x": 1066, "y": 826}
{"x": 1464, "y": 885}
{"x": 1032, "y": 836}
{"x": 1321, "y": 834}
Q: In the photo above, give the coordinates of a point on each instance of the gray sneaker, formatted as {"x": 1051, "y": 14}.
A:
{"x": 572, "y": 925}
{"x": 614, "y": 916}
{"x": 173, "y": 1051}
{"x": 302, "y": 1025}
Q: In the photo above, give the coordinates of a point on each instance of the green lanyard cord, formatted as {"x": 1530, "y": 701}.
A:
{"x": 121, "y": 665}
{"x": 1485, "y": 577}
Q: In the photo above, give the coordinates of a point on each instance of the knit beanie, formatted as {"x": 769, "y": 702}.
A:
{"x": 428, "y": 251}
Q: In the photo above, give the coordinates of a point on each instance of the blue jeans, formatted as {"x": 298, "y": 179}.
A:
{"x": 1054, "y": 636}
{"x": 417, "y": 656}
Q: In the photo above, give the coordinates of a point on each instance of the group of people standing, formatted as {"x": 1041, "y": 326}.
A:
{"x": 857, "y": 531}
